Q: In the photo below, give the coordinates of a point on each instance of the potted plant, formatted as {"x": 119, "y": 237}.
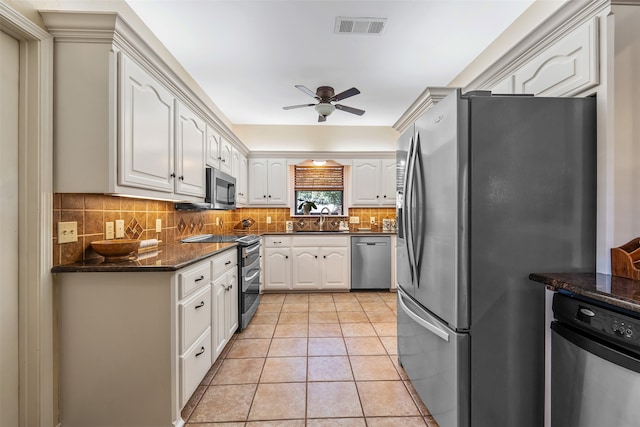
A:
{"x": 306, "y": 206}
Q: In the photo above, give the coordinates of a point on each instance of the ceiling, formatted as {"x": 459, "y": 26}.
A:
{"x": 248, "y": 55}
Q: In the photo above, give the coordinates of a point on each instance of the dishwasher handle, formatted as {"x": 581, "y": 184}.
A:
{"x": 371, "y": 244}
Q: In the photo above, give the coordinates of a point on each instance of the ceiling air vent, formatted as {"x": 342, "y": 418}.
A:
{"x": 370, "y": 26}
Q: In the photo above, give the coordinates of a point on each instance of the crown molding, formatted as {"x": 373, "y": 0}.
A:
{"x": 427, "y": 99}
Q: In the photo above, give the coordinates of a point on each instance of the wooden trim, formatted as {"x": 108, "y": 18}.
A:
{"x": 35, "y": 223}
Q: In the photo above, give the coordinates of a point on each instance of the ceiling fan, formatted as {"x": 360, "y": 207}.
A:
{"x": 327, "y": 97}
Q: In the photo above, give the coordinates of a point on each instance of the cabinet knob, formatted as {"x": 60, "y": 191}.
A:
{"x": 286, "y": 256}
{"x": 219, "y": 158}
{"x": 223, "y": 161}
{"x": 377, "y": 197}
{"x": 199, "y": 305}
{"x": 264, "y": 196}
{"x": 316, "y": 256}
{"x": 385, "y": 196}
{"x": 173, "y": 175}
{"x": 200, "y": 352}
{"x": 324, "y": 256}
{"x": 181, "y": 178}
{"x": 269, "y": 195}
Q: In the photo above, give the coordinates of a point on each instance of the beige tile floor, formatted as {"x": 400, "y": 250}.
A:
{"x": 317, "y": 360}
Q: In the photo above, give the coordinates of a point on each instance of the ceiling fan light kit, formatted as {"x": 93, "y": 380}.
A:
{"x": 326, "y": 97}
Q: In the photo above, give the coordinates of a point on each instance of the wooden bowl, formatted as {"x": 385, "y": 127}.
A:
{"x": 115, "y": 249}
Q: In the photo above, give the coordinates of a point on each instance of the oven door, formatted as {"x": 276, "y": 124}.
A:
{"x": 250, "y": 256}
{"x": 250, "y": 292}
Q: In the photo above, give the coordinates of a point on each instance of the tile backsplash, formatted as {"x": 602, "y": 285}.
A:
{"x": 92, "y": 211}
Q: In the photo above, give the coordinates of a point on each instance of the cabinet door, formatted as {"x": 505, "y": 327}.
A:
{"x": 190, "y": 151}
{"x": 277, "y": 269}
{"x": 225, "y": 156}
{"x": 365, "y": 182}
{"x": 277, "y": 182}
{"x": 146, "y": 142}
{"x": 232, "y": 303}
{"x": 567, "y": 67}
{"x": 258, "y": 190}
{"x": 218, "y": 315}
{"x": 242, "y": 181}
{"x": 306, "y": 268}
{"x": 213, "y": 147}
{"x": 335, "y": 268}
{"x": 388, "y": 182}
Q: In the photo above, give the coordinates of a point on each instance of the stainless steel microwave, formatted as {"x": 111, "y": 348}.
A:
{"x": 220, "y": 192}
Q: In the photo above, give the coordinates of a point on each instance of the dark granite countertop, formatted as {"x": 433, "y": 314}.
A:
{"x": 612, "y": 290}
{"x": 329, "y": 233}
{"x": 168, "y": 257}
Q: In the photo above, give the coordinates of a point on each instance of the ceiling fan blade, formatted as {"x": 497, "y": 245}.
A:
{"x": 346, "y": 94}
{"x": 322, "y": 118}
{"x": 291, "y": 107}
{"x": 349, "y": 109}
{"x": 307, "y": 91}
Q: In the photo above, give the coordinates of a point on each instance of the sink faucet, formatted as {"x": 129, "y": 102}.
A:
{"x": 321, "y": 222}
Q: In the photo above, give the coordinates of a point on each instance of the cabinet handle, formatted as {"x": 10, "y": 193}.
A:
{"x": 181, "y": 178}
{"x": 200, "y": 352}
{"x": 173, "y": 175}
{"x": 277, "y": 243}
{"x": 200, "y": 279}
{"x": 199, "y": 305}
{"x": 227, "y": 263}
{"x": 223, "y": 161}
{"x": 219, "y": 158}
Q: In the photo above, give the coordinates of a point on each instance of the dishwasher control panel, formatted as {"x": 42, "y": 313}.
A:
{"x": 615, "y": 327}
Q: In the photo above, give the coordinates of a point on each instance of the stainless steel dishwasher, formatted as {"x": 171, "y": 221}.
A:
{"x": 370, "y": 262}
{"x": 595, "y": 365}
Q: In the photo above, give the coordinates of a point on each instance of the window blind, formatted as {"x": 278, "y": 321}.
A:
{"x": 319, "y": 178}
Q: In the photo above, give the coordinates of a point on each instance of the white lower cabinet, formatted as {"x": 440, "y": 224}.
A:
{"x": 306, "y": 263}
{"x": 224, "y": 299}
{"x": 141, "y": 341}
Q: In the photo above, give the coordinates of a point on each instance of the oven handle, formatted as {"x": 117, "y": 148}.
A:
{"x": 252, "y": 248}
{"x": 248, "y": 279}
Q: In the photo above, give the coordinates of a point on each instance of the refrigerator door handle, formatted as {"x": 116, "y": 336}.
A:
{"x": 418, "y": 174}
{"x": 407, "y": 214}
{"x": 419, "y": 320}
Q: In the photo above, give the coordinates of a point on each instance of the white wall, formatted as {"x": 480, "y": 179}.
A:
{"x": 317, "y": 138}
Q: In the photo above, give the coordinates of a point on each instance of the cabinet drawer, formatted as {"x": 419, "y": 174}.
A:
{"x": 195, "y": 316}
{"x": 277, "y": 241}
{"x": 224, "y": 261}
{"x": 194, "y": 365}
{"x": 321, "y": 241}
{"x": 193, "y": 277}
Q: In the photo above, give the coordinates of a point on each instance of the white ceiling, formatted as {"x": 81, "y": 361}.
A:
{"x": 248, "y": 54}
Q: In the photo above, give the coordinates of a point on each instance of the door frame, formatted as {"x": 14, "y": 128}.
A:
{"x": 35, "y": 194}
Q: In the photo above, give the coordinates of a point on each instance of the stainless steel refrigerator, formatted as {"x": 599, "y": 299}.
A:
{"x": 490, "y": 189}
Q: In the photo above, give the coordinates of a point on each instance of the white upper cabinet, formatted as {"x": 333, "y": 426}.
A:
{"x": 213, "y": 147}
{"x": 566, "y": 67}
{"x": 226, "y": 150}
{"x": 268, "y": 182}
{"x": 239, "y": 169}
{"x": 125, "y": 122}
{"x": 146, "y": 143}
{"x": 191, "y": 135}
{"x": 373, "y": 182}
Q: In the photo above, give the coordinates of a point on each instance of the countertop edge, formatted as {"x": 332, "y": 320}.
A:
{"x": 611, "y": 290}
{"x": 98, "y": 266}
